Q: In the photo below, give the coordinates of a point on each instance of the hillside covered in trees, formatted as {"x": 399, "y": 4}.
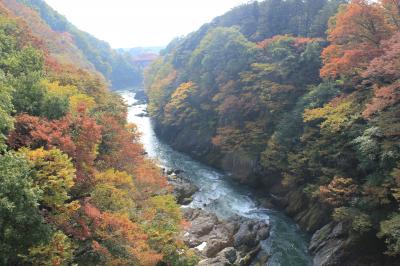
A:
{"x": 75, "y": 185}
{"x": 300, "y": 98}
{"x": 69, "y": 45}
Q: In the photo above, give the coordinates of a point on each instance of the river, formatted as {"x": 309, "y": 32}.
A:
{"x": 287, "y": 245}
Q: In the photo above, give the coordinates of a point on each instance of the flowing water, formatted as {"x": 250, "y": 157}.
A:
{"x": 287, "y": 245}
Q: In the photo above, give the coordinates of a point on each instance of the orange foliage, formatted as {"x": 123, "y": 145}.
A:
{"x": 78, "y": 137}
{"x": 120, "y": 148}
{"x": 148, "y": 178}
{"x": 384, "y": 97}
{"x": 106, "y": 230}
{"x": 355, "y": 34}
{"x": 338, "y": 192}
{"x": 384, "y": 71}
{"x": 87, "y": 137}
{"x": 35, "y": 132}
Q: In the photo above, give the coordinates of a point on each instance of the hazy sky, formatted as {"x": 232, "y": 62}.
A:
{"x": 130, "y": 23}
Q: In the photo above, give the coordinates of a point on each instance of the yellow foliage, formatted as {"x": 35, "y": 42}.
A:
{"x": 79, "y": 100}
{"x": 179, "y": 107}
{"x": 59, "y": 251}
{"x": 335, "y": 115}
{"x": 55, "y": 175}
{"x": 114, "y": 191}
{"x": 60, "y": 90}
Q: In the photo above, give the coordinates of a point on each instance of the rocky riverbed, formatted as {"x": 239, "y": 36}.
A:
{"x": 217, "y": 194}
{"x": 234, "y": 241}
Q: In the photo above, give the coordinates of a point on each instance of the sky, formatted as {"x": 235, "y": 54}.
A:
{"x": 144, "y": 23}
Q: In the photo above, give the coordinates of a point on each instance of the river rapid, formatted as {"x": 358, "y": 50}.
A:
{"x": 286, "y": 246}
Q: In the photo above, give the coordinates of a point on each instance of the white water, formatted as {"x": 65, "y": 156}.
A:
{"x": 287, "y": 245}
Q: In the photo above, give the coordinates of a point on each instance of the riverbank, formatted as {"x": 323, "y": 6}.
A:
{"x": 219, "y": 195}
{"x": 331, "y": 242}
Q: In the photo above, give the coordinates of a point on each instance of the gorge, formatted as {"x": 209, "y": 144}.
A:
{"x": 286, "y": 245}
{"x": 268, "y": 136}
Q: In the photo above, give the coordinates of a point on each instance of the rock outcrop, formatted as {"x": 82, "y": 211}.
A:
{"x": 223, "y": 242}
{"x": 336, "y": 244}
{"x": 183, "y": 188}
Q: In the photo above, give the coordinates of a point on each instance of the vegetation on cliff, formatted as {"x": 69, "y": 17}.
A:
{"x": 75, "y": 185}
{"x": 276, "y": 94}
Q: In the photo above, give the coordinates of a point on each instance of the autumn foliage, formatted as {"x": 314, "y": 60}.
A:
{"x": 355, "y": 33}
{"x": 74, "y": 179}
{"x": 313, "y": 119}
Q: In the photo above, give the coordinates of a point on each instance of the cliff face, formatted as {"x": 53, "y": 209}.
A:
{"x": 312, "y": 120}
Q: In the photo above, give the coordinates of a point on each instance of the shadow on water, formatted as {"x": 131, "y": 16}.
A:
{"x": 287, "y": 245}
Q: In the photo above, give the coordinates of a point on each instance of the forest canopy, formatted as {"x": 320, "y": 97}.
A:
{"x": 300, "y": 98}
{"x": 75, "y": 185}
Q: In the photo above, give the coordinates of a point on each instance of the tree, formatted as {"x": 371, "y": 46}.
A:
{"x": 182, "y": 104}
{"x": 59, "y": 251}
{"x": 54, "y": 107}
{"x": 390, "y": 231}
{"x": 383, "y": 71}
{"x": 35, "y": 132}
{"x": 28, "y": 94}
{"x": 114, "y": 191}
{"x": 120, "y": 146}
{"x": 86, "y": 137}
{"x": 54, "y": 176}
{"x": 6, "y": 108}
{"x": 338, "y": 192}
{"x": 336, "y": 114}
{"x": 392, "y": 12}
{"x": 148, "y": 179}
{"x": 21, "y": 225}
{"x": 355, "y": 34}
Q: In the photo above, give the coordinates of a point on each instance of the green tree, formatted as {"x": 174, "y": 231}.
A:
{"x": 21, "y": 225}
{"x": 6, "y": 108}
{"x": 390, "y": 231}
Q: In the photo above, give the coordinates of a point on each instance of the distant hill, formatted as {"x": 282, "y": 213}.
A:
{"x": 143, "y": 56}
{"x": 72, "y": 46}
{"x": 142, "y": 50}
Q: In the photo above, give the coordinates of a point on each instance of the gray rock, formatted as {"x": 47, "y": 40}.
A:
{"x": 202, "y": 223}
{"x": 183, "y": 189}
{"x": 226, "y": 257}
{"x": 217, "y": 261}
{"x": 220, "y": 242}
{"x": 218, "y": 239}
{"x": 250, "y": 233}
{"x": 246, "y": 236}
{"x": 327, "y": 244}
{"x": 228, "y": 253}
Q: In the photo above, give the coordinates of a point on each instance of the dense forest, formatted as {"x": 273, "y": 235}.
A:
{"x": 299, "y": 98}
{"x": 75, "y": 185}
{"x": 69, "y": 45}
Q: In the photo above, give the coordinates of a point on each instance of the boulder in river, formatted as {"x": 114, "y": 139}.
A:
{"x": 223, "y": 242}
{"x": 183, "y": 188}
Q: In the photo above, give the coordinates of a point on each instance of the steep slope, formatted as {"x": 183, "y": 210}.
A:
{"x": 75, "y": 185}
{"x": 73, "y": 46}
{"x": 310, "y": 118}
